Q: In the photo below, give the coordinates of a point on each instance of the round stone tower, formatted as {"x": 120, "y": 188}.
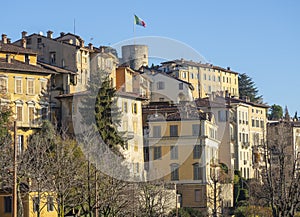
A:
{"x": 135, "y": 55}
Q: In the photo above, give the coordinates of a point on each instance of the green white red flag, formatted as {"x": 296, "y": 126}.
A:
{"x": 139, "y": 21}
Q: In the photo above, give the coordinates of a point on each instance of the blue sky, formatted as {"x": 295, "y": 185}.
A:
{"x": 260, "y": 38}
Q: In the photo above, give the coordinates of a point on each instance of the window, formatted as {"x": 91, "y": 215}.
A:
{"x": 157, "y": 153}
{"x": 161, "y": 99}
{"x": 174, "y": 152}
{"x": 19, "y": 113}
{"x": 160, "y": 85}
{"x": 197, "y": 195}
{"x": 125, "y": 107}
{"x": 181, "y": 86}
{"x": 44, "y": 113}
{"x": 52, "y": 57}
{"x": 262, "y": 124}
{"x": 174, "y": 130}
{"x": 212, "y": 133}
{"x": 7, "y": 204}
{"x": 197, "y": 152}
{"x": 196, "y": 129}
{"x": 27, "y": 59}
{"x": 43, "y": 85}
{"x": 36, "y": 204}
{"x": 134, "y": 108}
{"x": 174, "y": 172}
{"x": 253, "y": 123}
{"x": 3, "y": 84}
{"x": 18, "y": 85}
{"x": 204, "y": 76}
{"x": 39, "y": 40}
{"x": 257, "y": 123}
{"x": 198, "y": 172}
{"x": 223, "y": 115}
{"x": 192, "y": 75}
{"x": 50, "y": 204}
{"x": 84, "y": 60}
{"x": 157, "y": 131}
{"x": 31, "y": 115}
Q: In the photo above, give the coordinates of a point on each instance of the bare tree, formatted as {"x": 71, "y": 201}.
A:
{"x": 155, "y": 198}
{"x": 219, "y": 182}
{"x": 281, "y": 181}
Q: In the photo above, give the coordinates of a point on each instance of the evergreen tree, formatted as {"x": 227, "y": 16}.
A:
{"x": 248, "y": 89}
{"x": 101, "y": 101}
{"x": 276, "y": 112}
{"x": 295, "y": 116}
{"x": 287, "y": 116}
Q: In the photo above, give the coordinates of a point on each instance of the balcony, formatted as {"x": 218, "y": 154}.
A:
{"x": 245, "y": 144}
{"x": 127, "y": 134}
{"x": 21, "y": 124}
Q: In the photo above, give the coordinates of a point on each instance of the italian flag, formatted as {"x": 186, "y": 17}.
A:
{"x": 139, "y": 21}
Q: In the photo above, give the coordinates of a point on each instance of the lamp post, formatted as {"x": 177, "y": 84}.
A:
{"x": 15, "y": 172}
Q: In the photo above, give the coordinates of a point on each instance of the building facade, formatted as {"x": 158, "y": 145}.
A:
{"x": 206, "y": 78}
{"x": 183, "y": 150}
{"x": 24, "y": 87}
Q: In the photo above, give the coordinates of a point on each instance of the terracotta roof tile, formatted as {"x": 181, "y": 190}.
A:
{"x": 10, "y": 48}
{"x": 56, "y": 69}
{"x": 15, "y": 65}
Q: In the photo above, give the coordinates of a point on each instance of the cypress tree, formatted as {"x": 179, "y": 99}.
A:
{"x": 248, "y": 89}
{"x": 101, "y": 102}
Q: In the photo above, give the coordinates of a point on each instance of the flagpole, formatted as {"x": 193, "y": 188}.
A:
{"x": 133, "y": 30}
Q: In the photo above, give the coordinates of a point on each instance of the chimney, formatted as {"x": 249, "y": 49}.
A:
{"x": 23, "y": 42}
{"x": 81, "y": 43}
{"x": 8, "y": 40}
{"x": 24, "y": 34}
{"x": 62, "y": 34}
{"x": 91, "y": 47}
{"x": 228, "y": 68}
{"x": 4, "y": 38}
{"x": 49, "y": 34}
{"x": 8, "y": 58}
{"x": 102, "y": 49}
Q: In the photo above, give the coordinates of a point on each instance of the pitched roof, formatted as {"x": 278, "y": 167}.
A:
{"x": 183, "y": 62}
{"x": 11, "y": 48}
{"x": 157, "y": 72}
{"x": 236, "y": 100}
{"x": 56, "y": 69}
{"x": 19, "y": 66}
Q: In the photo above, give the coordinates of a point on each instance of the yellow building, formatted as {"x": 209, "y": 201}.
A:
{"x": 205, "y": 78}
{"x": 24, "y": 86}
{"x": 250, "y": 133}
{"x": 47, "y": 206}
{"x": 183, "y": 149}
